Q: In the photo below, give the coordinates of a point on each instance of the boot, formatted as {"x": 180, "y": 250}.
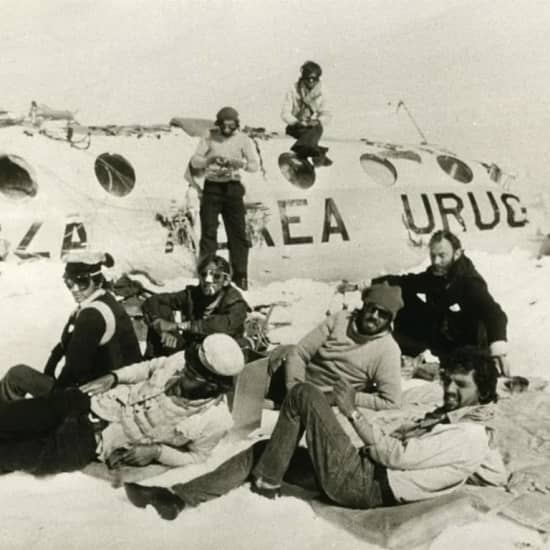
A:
{"x": 167, "y": 504}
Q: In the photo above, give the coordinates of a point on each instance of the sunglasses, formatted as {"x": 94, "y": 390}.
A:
{"x": 80, "y": 283}
{"x": 217, "y": 276}
{"x": 382, "y": 313}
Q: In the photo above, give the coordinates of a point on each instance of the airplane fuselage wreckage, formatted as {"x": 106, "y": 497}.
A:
{"x": 129, "y": 190}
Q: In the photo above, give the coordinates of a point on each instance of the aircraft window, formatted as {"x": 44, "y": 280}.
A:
{"x": 457, "y": 169}
{"x": 115, "y": 174}
{"x": 380, "y": 170}
{"x": 16, "y": 181}
{"x": 301, "y": 174}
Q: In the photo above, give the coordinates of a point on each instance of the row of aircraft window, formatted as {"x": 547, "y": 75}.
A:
{"x": 117, "y": 176}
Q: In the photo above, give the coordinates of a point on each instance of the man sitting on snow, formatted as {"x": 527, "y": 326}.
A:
{"x": 433, "y": 456}
{"x": 214, "y": 305}
{"x": 357, "y": 346}
{"x": 170, "y": 410}
{"x": 448, "y": 305}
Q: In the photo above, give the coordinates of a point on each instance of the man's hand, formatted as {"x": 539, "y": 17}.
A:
{"x": 277, "y": 357}
{"x": 99, "y": 385}
{"x": 162, "y": 325}
{"x": 503, "y": 365}
{"x": 169, "y": 340}
{"x": 529, "y": 480}
{"x": 140, "y": 455}
{"x": 344, "y": 397}
{"x": 236, "y": 164}
{"x": 216, "y": 159}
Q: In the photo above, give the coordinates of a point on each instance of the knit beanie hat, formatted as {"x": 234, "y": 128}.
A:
{"x": 227, "y": 113}
{"x": 385, "y": 296}
{"x": 86, "y": 263}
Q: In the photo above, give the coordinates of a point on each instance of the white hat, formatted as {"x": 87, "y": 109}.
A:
{"x": 220, "y": 354}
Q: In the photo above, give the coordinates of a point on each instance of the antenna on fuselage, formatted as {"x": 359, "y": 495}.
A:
{"x": 400, "y": 104}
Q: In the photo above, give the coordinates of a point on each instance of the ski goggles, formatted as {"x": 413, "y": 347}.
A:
{"x": 78, "y": 283}
{"x": 217, "y": 276}
{"x": 371, "y": 308}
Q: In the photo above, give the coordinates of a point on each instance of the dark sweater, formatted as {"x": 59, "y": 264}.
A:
{"x": 455, "y": 304}
{"x": 94, "y": 343}
{"x": 225, "y": 312}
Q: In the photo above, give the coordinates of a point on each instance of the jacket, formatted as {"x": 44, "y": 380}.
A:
{"x": 302, "y": 105}
{"x": 225, "y": 313}
{"x": 99, "y": 337}
{"x": 140, "y": 412}
{"x": 455, "y": 304}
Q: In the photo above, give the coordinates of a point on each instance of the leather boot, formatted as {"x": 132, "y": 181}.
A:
{"x": 167, "y": 504}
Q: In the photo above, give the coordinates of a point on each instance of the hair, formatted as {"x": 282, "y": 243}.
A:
{"x": 227, "y": 113}
{"x": 216, "y": 384}
{"x": 445, "y": 234}
{"x": 310, "y": 67}
{"x": 468, "y": 359}
{"x": 221, "y": 263}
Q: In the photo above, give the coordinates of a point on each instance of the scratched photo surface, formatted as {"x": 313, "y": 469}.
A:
{"x": 439, "y": 119}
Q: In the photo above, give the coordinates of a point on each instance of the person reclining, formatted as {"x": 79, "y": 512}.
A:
{"x": 433, "y": 456}
{"x": 98, "y": 337}
{"x": 214, "y": 305}
{"x": 357, "y": 346}
{"x": 170, "y": 409}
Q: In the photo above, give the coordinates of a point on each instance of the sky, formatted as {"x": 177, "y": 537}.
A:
{"x": 473, "y": 73}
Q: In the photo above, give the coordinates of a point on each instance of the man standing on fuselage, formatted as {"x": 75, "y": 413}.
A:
{"x": 222, "y": 154}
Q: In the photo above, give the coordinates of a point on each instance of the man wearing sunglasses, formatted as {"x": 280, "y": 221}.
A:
{"x": 356, "y": 347}
{"x": 214, "y": 305}
{"x": 98, "y": 337}
{"x": 222, "y": 154}
{"x": 305, "y": 112}
{"x": 170, "y": 410}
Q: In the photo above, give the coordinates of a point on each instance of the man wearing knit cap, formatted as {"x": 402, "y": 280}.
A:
{"x": 356, "y": 348}
{"x": 170, "y": 410}
{"x": 222, "y": 154}
{"x": 98, "y": 337}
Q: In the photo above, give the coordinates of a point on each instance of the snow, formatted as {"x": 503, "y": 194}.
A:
{"x": 473, "y": 73}
{"x": 72, "y": 510}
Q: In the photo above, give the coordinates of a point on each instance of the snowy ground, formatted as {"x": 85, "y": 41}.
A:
{"x": 74, "y": 510}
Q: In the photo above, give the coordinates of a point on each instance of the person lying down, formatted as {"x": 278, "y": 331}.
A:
{"x": 170, "y": 410}
{"x": 434, "y": 456}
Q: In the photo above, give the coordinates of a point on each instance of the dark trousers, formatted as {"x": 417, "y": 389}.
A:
{"x": 21, "y": 380}
{"x": 417, "y": 328}
{"x": 46, "y": 435}
{"x": 307, "y": 140}
{"x": 225, "y": 198}
{"x": 346, "y": 475}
